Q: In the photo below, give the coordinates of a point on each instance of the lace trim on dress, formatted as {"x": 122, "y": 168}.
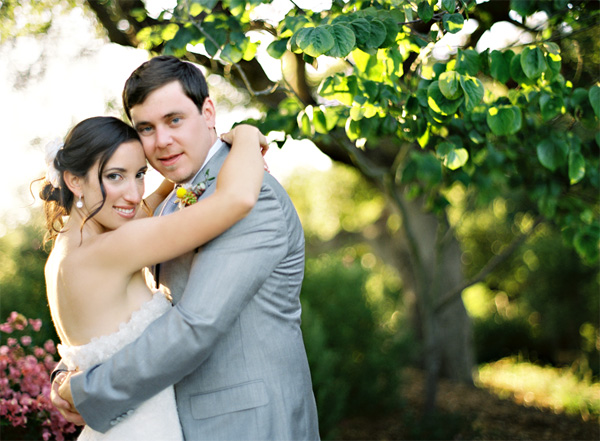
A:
{"x": 101, "y": 348}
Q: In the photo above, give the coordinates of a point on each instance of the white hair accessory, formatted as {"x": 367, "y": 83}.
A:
{"x": 52, "y": 174}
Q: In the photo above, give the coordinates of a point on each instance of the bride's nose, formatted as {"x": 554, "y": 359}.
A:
{"x": 134, "y": 193}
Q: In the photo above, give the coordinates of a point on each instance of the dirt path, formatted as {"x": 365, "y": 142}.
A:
{"x": 468, "y": 414}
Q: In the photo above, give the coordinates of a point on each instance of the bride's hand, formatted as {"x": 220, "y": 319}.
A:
{"x": 246, "y": 130}
{"x": 62, "y": 399}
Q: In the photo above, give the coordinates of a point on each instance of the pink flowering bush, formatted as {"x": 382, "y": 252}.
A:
{"x": 26, "y": 411}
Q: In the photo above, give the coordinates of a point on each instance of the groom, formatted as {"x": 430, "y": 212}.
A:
{"x": 232, "y": 343}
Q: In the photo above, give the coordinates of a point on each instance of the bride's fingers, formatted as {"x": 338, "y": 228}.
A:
{"x": 262, "y": 139}
{"x": 264, "y": 144}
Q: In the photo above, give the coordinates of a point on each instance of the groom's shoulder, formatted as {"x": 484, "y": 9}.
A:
{"x": 271, "y": 183}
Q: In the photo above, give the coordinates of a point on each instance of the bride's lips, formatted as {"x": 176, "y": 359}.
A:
{"x": 169, "y": 160}
{"x": 126, "y": 212}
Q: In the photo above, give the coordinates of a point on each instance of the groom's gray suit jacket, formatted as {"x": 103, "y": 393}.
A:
{"x": 231, "y": 344}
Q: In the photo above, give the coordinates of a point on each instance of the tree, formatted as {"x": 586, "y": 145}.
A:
{"x": 519, "y": 121}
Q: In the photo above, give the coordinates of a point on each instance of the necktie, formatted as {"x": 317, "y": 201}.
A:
{"x": 168, "y": 207}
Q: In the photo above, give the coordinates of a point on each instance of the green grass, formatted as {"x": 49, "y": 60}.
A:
{"x": 562, "y": 390}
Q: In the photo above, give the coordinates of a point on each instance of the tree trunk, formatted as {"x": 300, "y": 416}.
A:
{"x": 434, "y": 268}
{"x": 428, "y": 273}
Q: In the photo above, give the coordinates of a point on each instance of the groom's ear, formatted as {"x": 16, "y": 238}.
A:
{"x": 209, "y": 112}
{"x": 73, "y": 182}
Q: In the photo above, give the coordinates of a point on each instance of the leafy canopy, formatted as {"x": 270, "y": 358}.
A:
{"x": 496, "y": 121}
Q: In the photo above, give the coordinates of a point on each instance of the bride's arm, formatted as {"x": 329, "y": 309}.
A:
{"x": 143, "y": 242}
{"x": 155, "y": 199}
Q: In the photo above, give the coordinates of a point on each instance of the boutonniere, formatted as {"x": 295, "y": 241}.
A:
{"x": 189, "y": 194}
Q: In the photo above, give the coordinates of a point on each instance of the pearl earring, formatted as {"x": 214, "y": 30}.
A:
{"x": 79, "y": 203}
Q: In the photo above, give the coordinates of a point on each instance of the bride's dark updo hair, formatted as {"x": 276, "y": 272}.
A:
{"x": 92, "y": 140}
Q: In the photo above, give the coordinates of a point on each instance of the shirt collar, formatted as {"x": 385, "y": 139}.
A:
{"x": 211, "y": 152}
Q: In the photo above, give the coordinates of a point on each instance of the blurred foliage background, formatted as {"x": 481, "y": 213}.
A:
{"x": 535, "y": 317}
{"x": 541, "y": 307}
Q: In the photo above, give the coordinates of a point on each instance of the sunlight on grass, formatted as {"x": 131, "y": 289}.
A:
{"x": 560, "y": 390}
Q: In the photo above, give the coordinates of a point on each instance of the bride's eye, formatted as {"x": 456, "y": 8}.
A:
{"x": 113, "y": 176}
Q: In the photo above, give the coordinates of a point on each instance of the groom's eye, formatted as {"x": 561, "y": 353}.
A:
{"x": 144, "y": 130}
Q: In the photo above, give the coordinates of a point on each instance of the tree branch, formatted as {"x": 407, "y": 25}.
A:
{"x": 115, "y": 35}
{"x": 487, "y": 269}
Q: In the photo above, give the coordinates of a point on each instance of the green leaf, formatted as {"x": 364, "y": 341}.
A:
{"x": 319, "y": 121}
{"x": 340, "y": 88}
{"x": 533, "y": 62}
{"x": 453, "y": 157}
{"x": 425, "y": 11}
{"x": 292, "y": 44}
{"x": 344, "y": 41}
{"x": 552, "y": 48}
{"x": 232, "y": 53}
{"x": 594, "y": 96}
{"x": 342, "y": 19}
{"x": 586, "y": 243}
{"x": 325, "y": 118}
{"x": 504, "y": 120}
{"x": 450, "y": 85}
{"x": 377, "y": 34}
{"x": 237, "y": 7}
{"x": 392, "y": 29}
{"x": 304, "y": 123}
{"x": 550, "y": 106}
{"x": 208, "y": 5}
{"x": 393, "y": 64}
{"x": 475, "y": 137}
{"x": 473, "y": 89}
{"x": 352, "y": 129}
{"x": 499, "y": 66}
{"x": 429, "y": 169}
{"x": 453, "y": 23}
{"x": 439, "y": 103}
{"x": 467, "y": 62}
{"x": 449, "y": 5}
{"x": 554, "y": 62}
{"x": 362, "y": 30}
{"x": 181, "y": 39}
{"x": 523, "y": 7}
{"x": 218, "y": 37}
{"x": 293, "y": 23}
{"x": 277, "y": 48}
{"x": 315, "y": 41}
{"x": 552, "y": 153}
{"x": 389, "y": 125}
{"x": 516, "y": 70}
{"x": 576, "y": 167}
{"x": 250, "y": 49}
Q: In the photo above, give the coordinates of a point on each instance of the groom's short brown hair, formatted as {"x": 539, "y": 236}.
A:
{"x": 159, "y": 71}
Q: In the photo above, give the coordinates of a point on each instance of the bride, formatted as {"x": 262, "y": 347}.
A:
{"x": 103, "y": 239}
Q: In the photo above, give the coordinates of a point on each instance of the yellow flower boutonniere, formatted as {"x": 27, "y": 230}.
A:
{"x": 189, "y": 194}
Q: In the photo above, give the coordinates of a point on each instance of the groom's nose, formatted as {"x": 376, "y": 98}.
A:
{"x": 163, "y": 137}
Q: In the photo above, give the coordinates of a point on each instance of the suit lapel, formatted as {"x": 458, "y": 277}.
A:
{"x": 210, "y": 170}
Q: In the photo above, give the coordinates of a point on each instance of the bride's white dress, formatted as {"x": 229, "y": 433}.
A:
{"x": 156, "y": 418}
